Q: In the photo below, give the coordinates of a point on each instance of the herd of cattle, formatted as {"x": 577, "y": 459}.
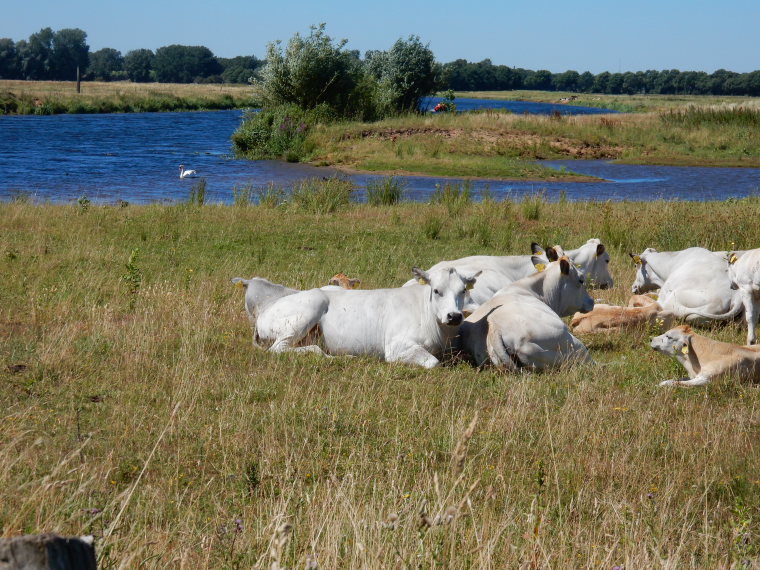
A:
{"x": 507, "y": 310}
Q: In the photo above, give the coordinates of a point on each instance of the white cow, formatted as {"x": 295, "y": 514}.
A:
{"x": 706, "y": 359}
{"x": 407, "y": 324}
{"x": 744, "y": 273}
{"x": 521, "y": 326}
{"x": 693, "y": 283}
{"x": 501, "y": 270}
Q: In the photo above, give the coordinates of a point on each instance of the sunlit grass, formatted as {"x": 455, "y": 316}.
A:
{"x": 138, "y": 411}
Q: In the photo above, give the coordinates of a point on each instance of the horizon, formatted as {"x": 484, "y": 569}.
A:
{"x": 687, "y": 36}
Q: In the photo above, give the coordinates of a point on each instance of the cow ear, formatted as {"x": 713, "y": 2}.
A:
{"x": 422, "y": 276}
{"x": 599, "y": 249}
{"x": 538, "y": 262}
{"x": 469, "y": 281}
{"x": 536, "y": 249}
{"x": 552, "y": 254}
{"x": 564, "y": 266}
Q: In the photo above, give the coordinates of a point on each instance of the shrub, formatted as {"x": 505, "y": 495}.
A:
{"x": 322, "y": 196}
{"x": 278, "y": 132}
{"x": 454, "y": 196}
{"x": 385, "y": 192}
{"x": 532, "y": 205}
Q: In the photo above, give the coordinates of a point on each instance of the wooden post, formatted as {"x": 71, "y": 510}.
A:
{"x": 78, "y": 82}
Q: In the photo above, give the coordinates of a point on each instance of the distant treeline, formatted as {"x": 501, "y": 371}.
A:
{"x": 56, "y": 55}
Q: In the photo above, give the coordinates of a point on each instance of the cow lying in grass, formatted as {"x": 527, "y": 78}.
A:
{"x": 498, "y": 271}
{"x": 641, "y": 311}
{"x": 520, "y": 327}
{"x": 413, "y": 324}
{"x": 693, "y": 283}
{"x": 705, "y": 359}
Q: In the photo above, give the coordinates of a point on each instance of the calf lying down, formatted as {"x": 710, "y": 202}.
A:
{"x": 641, "y": 311}
{"x": 706, "y": 359}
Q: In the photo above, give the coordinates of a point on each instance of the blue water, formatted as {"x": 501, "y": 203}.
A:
{"x": 136, "y": 157}
{"x": 517, "y": 107}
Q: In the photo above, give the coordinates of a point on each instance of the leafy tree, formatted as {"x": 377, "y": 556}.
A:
{"x": 405, "y": 74}
{"x": 567, "y": 81}
{"x": 240, "y": 69}
{"x": 70, "y": 51}
{"x": 138, "y": 65}
{"x": 541, "y": 79}
{"x": 35, "y": 55}
{"x": 105, "y": 64}
{"x": 184, "y": 64}
{"x": 311, "y": 71}
{"x": 9, "y": 63}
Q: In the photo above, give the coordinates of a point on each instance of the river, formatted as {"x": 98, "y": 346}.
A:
{"x": 136, "y": 157}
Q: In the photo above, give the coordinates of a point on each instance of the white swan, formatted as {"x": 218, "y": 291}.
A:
{"x": 185, "y": 173}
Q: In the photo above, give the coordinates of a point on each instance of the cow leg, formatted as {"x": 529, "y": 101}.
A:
{"x": 414, "y": 354}
{"x": 750, "y": 314}
{"x": 699, "y": 380}
{"x": 293, "y": 319}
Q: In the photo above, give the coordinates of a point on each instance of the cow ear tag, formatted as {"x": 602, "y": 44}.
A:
{"x": 540, "y": 266}
{"x": 239, "y": 284}
{"x": 469, "y": 286}
{"x": 685, "y": 349}
{"x": 637, "y": 259}
{"x": 733, "y": 258}
{"x": 421, "y": 281}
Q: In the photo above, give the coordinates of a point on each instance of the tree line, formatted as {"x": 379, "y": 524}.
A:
{"x": 56, "y": 55}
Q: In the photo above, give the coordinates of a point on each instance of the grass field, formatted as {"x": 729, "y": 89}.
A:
{"x": 134, "y": 407}
{"x": 52, "y": 97}
{"x": 505, "y": 145}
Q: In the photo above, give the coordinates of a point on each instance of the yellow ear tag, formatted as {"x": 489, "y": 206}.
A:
{"x": 239, "y": 284}
{"x": 733, "y": 258}
{"x": 540, "y": 266}
{"x": 578, "y": 266}
{"x": 421, "y": 281}
{"x": 469, "y": 286}
{"x": 637, "y": 259}
{"x": 685, "y": 349}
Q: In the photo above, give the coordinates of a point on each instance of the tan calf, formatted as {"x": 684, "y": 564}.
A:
{"x": 611, "y": 318}
{"x": 706, "y": 359}
{"x": 342, "y": 280}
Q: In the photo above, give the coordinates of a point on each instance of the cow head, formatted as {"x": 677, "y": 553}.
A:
{"x": 447, "y": 292}
{"x": 593, "y": 259}
{"x": 646, "y": 278}
{"x": 675, "y": 342}
{"x": 563, "y": 287}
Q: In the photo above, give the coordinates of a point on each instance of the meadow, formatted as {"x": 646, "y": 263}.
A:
{"x": 54, "y": 97}
{"x": 135, "y": 408}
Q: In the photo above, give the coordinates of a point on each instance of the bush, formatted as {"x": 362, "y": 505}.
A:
{"x": 385, "y": 192}
{"x": 322, "y": 196}
{"x": 454, "y": 196}
{"x": 278, "y": 132}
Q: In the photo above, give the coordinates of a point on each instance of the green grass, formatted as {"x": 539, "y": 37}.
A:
{"x": 134, "y": 407}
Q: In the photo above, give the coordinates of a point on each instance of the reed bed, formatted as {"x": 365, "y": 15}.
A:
{"x": 134, "y": 407}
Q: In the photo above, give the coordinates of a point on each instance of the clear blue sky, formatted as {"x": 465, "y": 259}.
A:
{"x": 583, "y": 35}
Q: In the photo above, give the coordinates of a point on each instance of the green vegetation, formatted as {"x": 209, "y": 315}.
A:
{"x": 135, "y": 408}
{"x": 53, "y": 97}
{"x": 317, "y": 81}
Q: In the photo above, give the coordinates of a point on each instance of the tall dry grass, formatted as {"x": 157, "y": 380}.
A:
{"x": 49, "y": 97}
{"x": 143, "y": 415}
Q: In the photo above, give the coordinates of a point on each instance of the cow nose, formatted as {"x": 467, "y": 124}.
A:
{"x": 454, "y": 319}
